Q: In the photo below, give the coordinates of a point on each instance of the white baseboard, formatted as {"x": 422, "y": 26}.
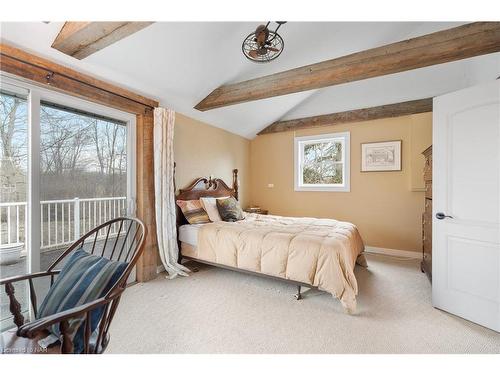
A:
{"x": 394, "y": 252}
{"x": 368, "y": 249}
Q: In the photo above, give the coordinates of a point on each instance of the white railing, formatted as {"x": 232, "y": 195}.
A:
{"x": 61, "y": 221}
{"x": 12, "y": 222}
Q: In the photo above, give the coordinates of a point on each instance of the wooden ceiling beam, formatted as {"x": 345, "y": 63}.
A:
{"x": 82, "y": 39}
{"x": 458, "y": 43}
{"x": 357, "y": 115}
{"x": 56, "y": 76}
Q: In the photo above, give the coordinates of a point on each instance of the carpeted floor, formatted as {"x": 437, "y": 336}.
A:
{"x": 220, "y": 311}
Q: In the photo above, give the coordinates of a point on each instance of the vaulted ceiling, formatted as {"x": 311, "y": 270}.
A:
{"x": 181, "y": 63}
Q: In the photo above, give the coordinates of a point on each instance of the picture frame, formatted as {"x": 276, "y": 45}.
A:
{"x": 381, "y": 156}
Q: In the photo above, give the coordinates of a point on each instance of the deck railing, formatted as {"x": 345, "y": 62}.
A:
{"x": 61, "y": 221}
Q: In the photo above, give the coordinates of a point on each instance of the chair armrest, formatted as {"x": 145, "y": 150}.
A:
{"x": 14, "y": 279}
{"x": 30, "y": 329}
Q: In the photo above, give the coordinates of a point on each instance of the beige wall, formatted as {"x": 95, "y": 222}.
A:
{"x": 203, "y": 150}
{"x": 386, "y": 206}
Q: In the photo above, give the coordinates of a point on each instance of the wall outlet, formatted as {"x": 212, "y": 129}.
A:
{"x": 270, "y": 185}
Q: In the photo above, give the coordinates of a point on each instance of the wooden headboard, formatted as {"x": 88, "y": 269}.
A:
{"x": 205, "y": 187}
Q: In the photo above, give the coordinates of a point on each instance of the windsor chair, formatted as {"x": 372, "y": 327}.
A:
{"x": 119, "y": 239}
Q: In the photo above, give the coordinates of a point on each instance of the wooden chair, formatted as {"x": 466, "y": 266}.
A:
{"x": 118, "y": 239}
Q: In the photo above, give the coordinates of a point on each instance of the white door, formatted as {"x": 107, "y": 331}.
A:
{"x": 466, "y": 204}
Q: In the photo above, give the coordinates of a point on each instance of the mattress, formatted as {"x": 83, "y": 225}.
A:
{"x": 188, "y": 233}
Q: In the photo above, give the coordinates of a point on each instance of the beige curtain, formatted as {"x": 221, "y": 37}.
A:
{"x": 164, "y": 191}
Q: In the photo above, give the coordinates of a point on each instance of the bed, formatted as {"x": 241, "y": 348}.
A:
{"x": 310, "y": 252}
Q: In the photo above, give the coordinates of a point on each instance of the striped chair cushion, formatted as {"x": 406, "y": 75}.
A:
{"x": 84, "y": 278}
{"x": 194, "y": 212}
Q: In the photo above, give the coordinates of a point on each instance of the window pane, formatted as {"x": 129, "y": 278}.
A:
{"x": 13, "y": 189}
{"x": 338, "y": 179}
{"x": 83, "y": 177}
{"x": 322, "y": 163}
{"x": 81, "y": 155}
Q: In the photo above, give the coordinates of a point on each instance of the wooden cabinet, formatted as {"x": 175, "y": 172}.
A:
{"x": 426, "y": 264}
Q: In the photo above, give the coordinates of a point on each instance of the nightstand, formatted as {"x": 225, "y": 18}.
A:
{"x": 259, "y": 211}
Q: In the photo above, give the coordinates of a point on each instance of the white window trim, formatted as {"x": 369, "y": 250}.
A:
{"x": 346, "y": 187}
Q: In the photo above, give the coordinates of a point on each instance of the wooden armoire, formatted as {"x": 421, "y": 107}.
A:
{"x": 426, "y": 264}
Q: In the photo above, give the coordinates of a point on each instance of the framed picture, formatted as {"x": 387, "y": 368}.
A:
{"x": 381, "y": 156}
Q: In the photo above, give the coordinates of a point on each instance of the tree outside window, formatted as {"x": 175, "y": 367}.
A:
{"x": 322, "y": 162}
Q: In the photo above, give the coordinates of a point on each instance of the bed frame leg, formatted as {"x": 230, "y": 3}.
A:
{"x": 298, "y": 296}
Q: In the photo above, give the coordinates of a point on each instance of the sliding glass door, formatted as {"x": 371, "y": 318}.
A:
{"x": 14, "y": 257}
{"x": 67, "y": 167}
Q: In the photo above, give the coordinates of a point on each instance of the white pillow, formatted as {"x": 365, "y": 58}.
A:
{"x": 210, "y": 205}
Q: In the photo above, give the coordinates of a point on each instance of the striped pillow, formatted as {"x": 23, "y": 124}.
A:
{"x": 194, "y": 212}
{"x": 83, "y": 279}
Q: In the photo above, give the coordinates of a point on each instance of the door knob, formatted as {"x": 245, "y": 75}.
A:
{"x": 441, "y": 216}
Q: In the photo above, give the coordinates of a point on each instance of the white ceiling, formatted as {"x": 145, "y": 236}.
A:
{"x": 179, "y": 63}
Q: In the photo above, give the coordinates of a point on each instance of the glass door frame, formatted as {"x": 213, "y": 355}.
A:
{"x": 37, "y": 94}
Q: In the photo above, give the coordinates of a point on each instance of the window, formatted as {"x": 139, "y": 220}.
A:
{"x": 322, "y": 162}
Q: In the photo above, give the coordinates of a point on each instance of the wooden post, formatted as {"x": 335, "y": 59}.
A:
{"x": 235, "y": 184}
{"x": 147, "y": 263}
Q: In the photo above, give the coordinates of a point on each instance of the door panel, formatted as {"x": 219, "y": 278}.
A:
{"x": 463, "y": 276}
{"x": 473, "y": 176}
{"x": 466, "y": 246}
{"x": 15, "y": 256}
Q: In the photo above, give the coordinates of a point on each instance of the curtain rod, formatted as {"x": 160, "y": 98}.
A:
{"x": 81, "y": 112}
{"x": 51, "y": 73}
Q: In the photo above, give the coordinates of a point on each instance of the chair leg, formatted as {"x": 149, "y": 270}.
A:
{"x": 298, "y": 295}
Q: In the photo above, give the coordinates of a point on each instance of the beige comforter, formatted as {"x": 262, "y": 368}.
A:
{"x": 319, "y": 252}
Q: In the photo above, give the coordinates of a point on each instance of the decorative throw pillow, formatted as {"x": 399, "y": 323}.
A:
{"x": 193, "y": 212}
{"x": 83, "y": 279}
{"x": 210, "y": 205}
{"x": 229, "y": 209}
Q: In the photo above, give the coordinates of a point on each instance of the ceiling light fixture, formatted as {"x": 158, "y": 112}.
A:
{"x": 263, "y": 45}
